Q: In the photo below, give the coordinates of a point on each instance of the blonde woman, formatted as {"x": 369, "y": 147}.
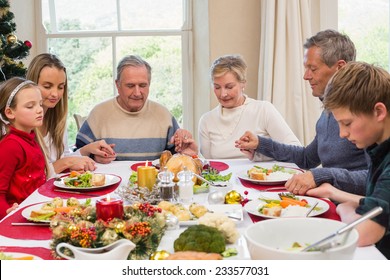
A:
{"x": 237, "y": 113}
{"x": 50, "y": 74}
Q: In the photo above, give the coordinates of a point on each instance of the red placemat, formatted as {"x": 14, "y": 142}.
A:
{"x": 330, "y": 214}
{"x": 48, "y": 189}
{"x": 142, "y": 163}
{"x": 23, "y": 232}
{"x": 249, "y": 184}
{"x": 41, "y": 252}
{"x": 220, "y": 166}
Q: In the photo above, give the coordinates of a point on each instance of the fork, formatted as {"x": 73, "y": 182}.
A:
{"x": 221, "y": 185}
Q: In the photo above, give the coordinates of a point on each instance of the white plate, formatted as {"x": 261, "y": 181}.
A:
{"x": 244, "y": 176}
{"x": 234, "y": 210}
{"x": 253, "y": 206}
{"x": 110, "y": 180}
{"x": 27, "y": 211}
{"x": 20, "y": 255}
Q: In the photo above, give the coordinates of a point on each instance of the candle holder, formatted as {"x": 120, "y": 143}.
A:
{"x": 108, "y": 209}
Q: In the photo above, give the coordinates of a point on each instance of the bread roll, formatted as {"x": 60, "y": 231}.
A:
{"x": 98, "y": 179}
{"x": 275, "y": 211}
{"x": 257, "y": 174}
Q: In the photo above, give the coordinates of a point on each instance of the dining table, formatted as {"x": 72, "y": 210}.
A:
{"x": 35, "y": 239}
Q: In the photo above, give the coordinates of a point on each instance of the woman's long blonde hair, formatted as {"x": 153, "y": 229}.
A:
{"x": 54, "y": 121}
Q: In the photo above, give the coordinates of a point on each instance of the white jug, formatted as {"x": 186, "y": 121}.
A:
{"x": 118, "y": 250}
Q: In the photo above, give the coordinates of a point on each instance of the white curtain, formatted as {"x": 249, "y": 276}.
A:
{"x": 285, "y": 26}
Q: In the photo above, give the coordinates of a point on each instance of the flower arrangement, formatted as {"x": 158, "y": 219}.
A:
{"x": 143, "y": 224}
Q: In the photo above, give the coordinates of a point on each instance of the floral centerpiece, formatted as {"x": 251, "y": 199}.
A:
{"x": 143, "y": 224}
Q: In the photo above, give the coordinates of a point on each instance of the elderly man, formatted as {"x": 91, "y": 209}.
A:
{"x": 137, "y": 128}
{"x": 343, "y": 164}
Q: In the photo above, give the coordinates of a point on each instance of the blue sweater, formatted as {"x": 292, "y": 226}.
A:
{"x": 343, "y": 164}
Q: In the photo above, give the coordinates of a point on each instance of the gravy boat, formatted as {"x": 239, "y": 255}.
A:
{"x": 118, "y": 250}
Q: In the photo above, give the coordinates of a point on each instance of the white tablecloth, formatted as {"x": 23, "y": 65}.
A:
{"x": 122, "y": 169}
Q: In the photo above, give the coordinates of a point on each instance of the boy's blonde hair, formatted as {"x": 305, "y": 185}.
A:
{"x": 358, "y": 86}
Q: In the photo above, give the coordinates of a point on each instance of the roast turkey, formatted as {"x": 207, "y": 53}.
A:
{"x": 176, "y": 163}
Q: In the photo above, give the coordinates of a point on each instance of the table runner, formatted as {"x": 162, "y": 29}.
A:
{"x": 330, "y": 214}
{"x": 48, "y": 189}
{"x": 23, "y": 232}
{"x": 41, "y": 252}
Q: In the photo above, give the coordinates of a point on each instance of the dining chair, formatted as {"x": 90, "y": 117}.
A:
{"x": 79, "y": 120}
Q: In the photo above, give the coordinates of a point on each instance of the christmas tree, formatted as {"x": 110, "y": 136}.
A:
{"x": 12, "y": 50}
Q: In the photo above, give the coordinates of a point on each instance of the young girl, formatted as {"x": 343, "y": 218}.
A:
{"x": 50, "y": 74}
{"x": 22, "y": 162}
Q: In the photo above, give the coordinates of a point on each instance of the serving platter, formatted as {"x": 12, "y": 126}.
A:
{"x": 110, "y": 180}
{"x": 288, "y": 173}
{"x": 21, "y": 256}
{"x": 253, "y": 206}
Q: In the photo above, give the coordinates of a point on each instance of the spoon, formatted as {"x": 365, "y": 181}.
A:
{"x": 311, "y": 209}
{"x": 331, "y": 243}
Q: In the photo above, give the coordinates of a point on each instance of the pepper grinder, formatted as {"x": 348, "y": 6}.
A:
{"x": 166, "y": 185}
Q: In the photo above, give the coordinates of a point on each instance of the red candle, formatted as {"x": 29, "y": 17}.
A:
{"x": 108, "y": 208}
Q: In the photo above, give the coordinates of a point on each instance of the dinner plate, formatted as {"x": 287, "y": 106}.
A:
{"x": 27, "y": 211}
{"x": 289, "y": 173}
{"x": 110, "y": 180}
{"x": 21, "y": 255}
{"x": 253, "y": 205}
{"x": 234, "y": 210}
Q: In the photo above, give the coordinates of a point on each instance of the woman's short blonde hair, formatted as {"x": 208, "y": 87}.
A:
{"x": 234, "y": 64}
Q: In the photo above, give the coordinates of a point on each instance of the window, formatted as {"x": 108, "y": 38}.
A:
{"x": 366, "y": 22}
{"x": 91, "y": 36}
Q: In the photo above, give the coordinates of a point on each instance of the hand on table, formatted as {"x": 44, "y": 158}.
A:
{"x": 300, "y": 183}
{"x": 82, "y": 163}
{"x": 12, "y": 208}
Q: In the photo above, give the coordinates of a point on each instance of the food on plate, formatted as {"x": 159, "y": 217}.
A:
{"x": 84, "y": 180}
{"x": 192, "y": 255}
{"x": 200, "y": 238}
{"x": 198, "y": 210}
{"x": 177, "y": 209}
{"x": 287, "y": 205}
{"x": 275, "y": 173}
{"x": 257, "y": 174}
{"x": 51, "y": 208}
{"x": 221, "y": 222}
{"x": 274, "y": 211}
{"x": 176, "y": 163}
{"x": 4, "y": 256}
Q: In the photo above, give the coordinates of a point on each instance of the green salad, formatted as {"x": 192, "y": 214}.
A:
{"x": 83, "y": 180}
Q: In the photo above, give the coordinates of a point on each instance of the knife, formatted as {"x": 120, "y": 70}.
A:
{"x": 31, "y": 224}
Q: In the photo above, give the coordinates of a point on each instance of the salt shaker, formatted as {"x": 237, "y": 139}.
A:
{"x": 186, "y": 185}
{"x": 166, "y": 185}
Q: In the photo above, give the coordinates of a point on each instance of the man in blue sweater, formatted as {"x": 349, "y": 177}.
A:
{"x": 343, "y": 164}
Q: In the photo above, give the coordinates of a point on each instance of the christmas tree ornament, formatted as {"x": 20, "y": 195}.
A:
{"x": 172, "y": 222}
{"x": 12, "y": 39}
{"x": 159, "y": 255}
{"x": 233, "y": 197}
{"x": 216, "y": 197}
{"x": 28, "y": 44}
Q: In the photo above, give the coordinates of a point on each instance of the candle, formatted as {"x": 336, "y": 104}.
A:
{"x": 146, "y": 176}
{"x": 108, "y": 208}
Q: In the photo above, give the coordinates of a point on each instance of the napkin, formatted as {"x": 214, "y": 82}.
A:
{"x": 48, "y": 189}
{"x": 23, "y": 232}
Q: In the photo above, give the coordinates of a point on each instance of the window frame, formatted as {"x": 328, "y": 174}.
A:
{"x": 185, "y": 32}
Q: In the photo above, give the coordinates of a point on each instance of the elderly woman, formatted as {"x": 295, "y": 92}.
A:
{"x": 237, "y": 113}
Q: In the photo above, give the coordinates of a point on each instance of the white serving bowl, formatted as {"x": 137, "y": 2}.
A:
{"x": 273, "y": 239}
